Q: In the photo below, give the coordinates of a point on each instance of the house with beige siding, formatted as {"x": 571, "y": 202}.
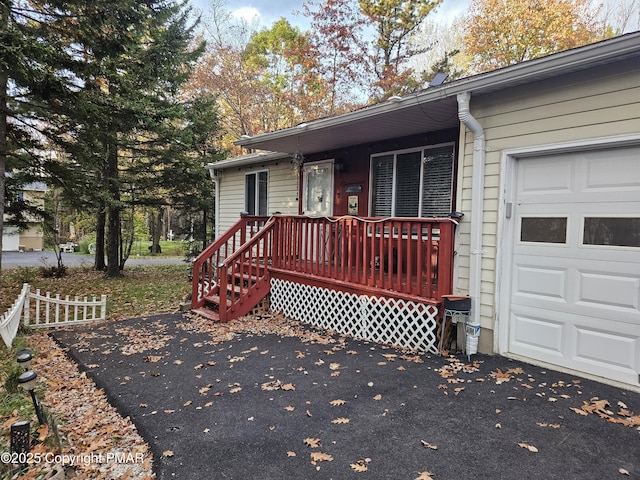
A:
{"x": 516, "y": 191}
{"x": 30, "y": 238}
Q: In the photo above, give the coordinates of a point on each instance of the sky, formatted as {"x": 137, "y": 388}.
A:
{"x": 269, "y": 11}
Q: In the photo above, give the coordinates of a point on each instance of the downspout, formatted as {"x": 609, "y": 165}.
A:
{"x": 477, "y": 203}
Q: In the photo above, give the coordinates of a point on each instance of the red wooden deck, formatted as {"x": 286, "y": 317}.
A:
{"x": 409, "y": 258}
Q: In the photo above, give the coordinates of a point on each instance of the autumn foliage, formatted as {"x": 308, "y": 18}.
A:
{"x": 498, "y": 33}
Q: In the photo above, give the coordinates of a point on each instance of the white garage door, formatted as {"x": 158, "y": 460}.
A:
{"x": 575, "y": 278}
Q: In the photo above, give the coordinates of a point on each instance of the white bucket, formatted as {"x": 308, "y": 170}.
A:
{"x": 471, "y": 345}
{"x": 471, "y": 335}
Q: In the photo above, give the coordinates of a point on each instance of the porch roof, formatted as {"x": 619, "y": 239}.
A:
{"x": 436, "y": 107}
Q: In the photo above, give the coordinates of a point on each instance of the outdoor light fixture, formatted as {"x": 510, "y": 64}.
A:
{"x": 24, "y": 359}
{"x": 456, "y": 215}
{"x": 20, "y": 440}
{"x": 297, "y": 159}
{"x": 27, "y": 380}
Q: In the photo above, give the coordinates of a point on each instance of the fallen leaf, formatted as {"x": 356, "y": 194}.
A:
{"x": 152, "y": 358}
{"x": 43, "y": 431}
{"x": 424, "y": 476}
{"x": 378, "y": 397}
{"x": 428, "y": 445}
{"x": 337, "y": 402}
{"x": 291, "y": 454}
{"x": 289, "y": 408}
{"x": 340, "y": 420}
{"x": 622, "y": 471}
{"x": 359, "y": 466}
{"x": 531, "y": 448}
{"x": 321, "y": 457}
{"x": 312, "y": 442}
{"x": 167, "y": 453}
{"x": 579, "y": 411}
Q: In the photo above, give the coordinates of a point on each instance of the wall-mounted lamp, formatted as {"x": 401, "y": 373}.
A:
{"x": 456, "y": 215}
{"x": 339, "y": 166}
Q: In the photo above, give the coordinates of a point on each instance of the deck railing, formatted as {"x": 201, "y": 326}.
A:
{"x": 410, "y": 256}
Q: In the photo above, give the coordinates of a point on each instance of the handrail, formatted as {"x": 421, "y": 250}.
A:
{"x": 205, "y": 266}
{"x": 248, "y": 269}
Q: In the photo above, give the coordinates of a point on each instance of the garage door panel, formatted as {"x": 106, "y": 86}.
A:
{"x": 542, "y": 282}
{"x": 534, "y": 336}
{"x": 609, "y": 290}
{"x": 605, "y": 348}
{"x": 625, "y": 174}
{"x": 546, "y": 177}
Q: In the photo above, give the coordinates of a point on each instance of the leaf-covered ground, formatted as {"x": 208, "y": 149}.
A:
{"x": 141, "y": 290}
{"x": 269, "y": 398}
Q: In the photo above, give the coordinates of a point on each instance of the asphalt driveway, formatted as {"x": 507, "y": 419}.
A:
{"x": 269, "y": 399}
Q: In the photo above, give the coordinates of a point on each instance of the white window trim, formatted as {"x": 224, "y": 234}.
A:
{"x": 257, "y": 186}
{"x": 305, "y": 170}
{"x": 395, "y": 154}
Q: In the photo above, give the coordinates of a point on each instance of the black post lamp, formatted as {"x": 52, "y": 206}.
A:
{"x": 27, "y": 380}
{"x": 24, "y": 359}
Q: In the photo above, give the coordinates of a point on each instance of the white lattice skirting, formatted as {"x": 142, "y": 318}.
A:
{"x": 379, "y": 319}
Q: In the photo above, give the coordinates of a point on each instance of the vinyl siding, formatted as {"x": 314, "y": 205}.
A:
{"x": 282, "y": 191}
{"x": 590, "y": 105}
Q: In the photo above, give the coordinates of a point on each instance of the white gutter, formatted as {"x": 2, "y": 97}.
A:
{"x": 477, "y": 202}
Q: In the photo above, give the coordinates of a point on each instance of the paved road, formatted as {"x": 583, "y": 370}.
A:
{"x": 48, "y": 258}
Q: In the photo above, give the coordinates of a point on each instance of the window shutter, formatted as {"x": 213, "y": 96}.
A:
{"x": 382, "y": 189}
{"x": 408, "y": 184}
{"x": 437, "y": 182}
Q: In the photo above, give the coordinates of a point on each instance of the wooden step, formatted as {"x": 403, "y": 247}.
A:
{"x": 215, "y": 299}
{"x": 207, "y": 313}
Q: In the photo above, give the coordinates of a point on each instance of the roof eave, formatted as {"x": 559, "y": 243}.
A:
{"x": 526, "y": 72}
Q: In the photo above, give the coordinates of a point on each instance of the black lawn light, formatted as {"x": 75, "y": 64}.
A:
{"x": 27, "y": 380}
{"x": 24, "y": 359}
{"x": 21, "y": 441}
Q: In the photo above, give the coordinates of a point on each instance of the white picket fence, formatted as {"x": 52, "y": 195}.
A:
{"x": 40, "y": 311}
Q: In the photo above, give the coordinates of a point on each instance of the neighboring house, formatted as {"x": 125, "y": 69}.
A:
{"x": 543, "y": 160}
{"x": 31, "y": 238}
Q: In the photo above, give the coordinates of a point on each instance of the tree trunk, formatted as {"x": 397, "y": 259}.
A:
{"x": 113, "y": 214}
{"x": 156, "y": 230}
{"x": 3, "y": 150}
{"x": 101, "y": 220}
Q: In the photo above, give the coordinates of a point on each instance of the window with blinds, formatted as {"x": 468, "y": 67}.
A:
{"x": 255, "y": 189}
{"x": 415, "y": 183}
